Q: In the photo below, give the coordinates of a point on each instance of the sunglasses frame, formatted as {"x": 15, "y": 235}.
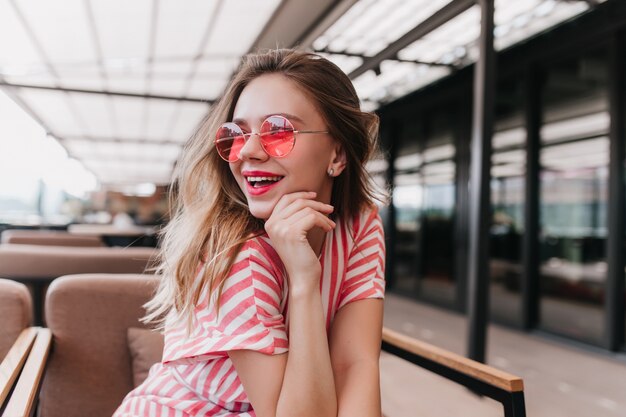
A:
{"x": 261, "y": 135}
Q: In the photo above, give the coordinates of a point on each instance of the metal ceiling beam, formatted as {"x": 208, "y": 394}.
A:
{"x": 107, "y": 93}
{"x": 326, "y": 20}
{"x": 443, "y": 15}
{"x": 293, "y": 21}
{"x": 104, "y": 139}
{"x": 395, "y": 58}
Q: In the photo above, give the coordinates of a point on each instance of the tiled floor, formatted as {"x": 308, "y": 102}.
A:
{"x": 560, "y": 380}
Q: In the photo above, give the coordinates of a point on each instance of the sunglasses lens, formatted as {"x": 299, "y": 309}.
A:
{"x": 229, "y": 140}
{"x": 278, "y": 137}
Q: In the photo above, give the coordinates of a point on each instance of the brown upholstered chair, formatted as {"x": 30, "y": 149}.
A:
{"x": 15, "y": 313}
{"x": 16, "y": 337}
{"x": 49, "y": 238}
{"x": 37, "y": 266}
{"x": 89, "y": 370}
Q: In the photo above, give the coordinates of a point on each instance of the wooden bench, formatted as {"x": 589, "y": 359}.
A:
{"x": 25, "y": 364}
{"x": 483, "y": 379}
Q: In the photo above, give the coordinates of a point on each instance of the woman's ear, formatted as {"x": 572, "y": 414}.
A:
{"x": 338, "y": 160}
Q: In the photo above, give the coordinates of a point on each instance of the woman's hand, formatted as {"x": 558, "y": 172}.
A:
{"x": 294, "y": 216}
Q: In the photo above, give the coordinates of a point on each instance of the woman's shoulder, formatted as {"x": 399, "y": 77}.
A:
{"x": 365, "y": 219}
{"x": 257, "y": 252}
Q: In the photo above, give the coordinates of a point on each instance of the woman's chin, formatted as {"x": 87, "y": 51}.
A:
{"x": 261, "y": 212}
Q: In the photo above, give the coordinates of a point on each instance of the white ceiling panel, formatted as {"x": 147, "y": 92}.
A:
{"x": 346, "y": 63}
{"x": 505, "y": 11}
{"x": 95, "y": 110}
{"x": 78, "y": 148}
{"x": 207, "y": 88}
{"x": 116, "y": 177}
{"x": 127, "y": 76}
{"x": 85, "y": 150}
{"x": 370, "y": 26}
{"x": 217, "y": 66}
{"x": 54, "y": 110}
{"x": 40, "y": 77}
{"x": 211, "y": 76}
{"x": 99, "y": 166}
{"x": 154, "y": 178}
{"x": 181, "y": 27}
{"x": 243, "y": 18}
{"x": 532, "y": 17}
{"x": 187, "y": 120}
{"x": 72, "y": 42}
{"x": 80, "y": 76}
{"x": 151, "y": 151}
{"x": 365, "y": 84}
{"x": 130, "y": 116}
{"x": 123, "y": 28}
{"x": 17, "y": 53}
{"x": 169, "y": 78}
{"x": 161, "y": 114}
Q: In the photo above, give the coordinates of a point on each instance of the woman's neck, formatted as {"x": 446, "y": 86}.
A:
{"x": 316, "y": 238}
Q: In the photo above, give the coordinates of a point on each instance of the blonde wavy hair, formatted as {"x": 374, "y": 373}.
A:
{"x": 211, "y": 220}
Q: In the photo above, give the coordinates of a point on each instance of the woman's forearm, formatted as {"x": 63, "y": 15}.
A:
{"x": 308, "y": 387}
{"x": 358, "y": 390}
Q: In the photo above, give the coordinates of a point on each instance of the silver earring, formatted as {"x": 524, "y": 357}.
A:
{"x": 331, "y": 172}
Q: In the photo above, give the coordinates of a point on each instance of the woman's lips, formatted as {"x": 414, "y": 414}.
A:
{"x": 260, "y": 190}
{"x": 259, "y": 175}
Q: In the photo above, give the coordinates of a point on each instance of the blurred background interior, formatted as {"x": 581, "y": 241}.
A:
{"x": 97, "y": 99}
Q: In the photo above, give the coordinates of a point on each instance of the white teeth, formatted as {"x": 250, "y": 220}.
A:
{"x": 256, "y": 179}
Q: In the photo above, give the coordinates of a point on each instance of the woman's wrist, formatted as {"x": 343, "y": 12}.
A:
{"x": 304, "y": 287}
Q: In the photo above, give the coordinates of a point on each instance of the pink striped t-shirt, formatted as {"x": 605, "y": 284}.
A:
{"x": 196, "y": 376}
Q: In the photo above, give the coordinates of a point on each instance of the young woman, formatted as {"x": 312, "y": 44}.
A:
{"x": 271, "y": 296}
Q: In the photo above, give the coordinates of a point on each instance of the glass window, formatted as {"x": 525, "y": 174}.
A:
{"x": 425, "y": 203}
{"x": 438, "y": 174}
{"x": 407, "y": 200}
{"x": 573, "y": 196}
{"x": 508, "y": 168}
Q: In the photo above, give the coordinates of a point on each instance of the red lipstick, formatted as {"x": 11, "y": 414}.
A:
{"x": 261, "y": 182}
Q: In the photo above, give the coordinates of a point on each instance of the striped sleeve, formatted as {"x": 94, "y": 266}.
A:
{"x": 365, "y": 274}
{"x": 250, "y": 315}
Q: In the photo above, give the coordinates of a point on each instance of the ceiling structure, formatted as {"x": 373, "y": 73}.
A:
{"x": 122, "y": 85}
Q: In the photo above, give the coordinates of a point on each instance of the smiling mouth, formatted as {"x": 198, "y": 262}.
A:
{"x": 258, "y": 182}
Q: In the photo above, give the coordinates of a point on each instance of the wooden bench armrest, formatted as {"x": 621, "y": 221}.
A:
{"x": 22, "y": 399}
{"x": 475, "y": 370}
{"x": 12, "y": 364}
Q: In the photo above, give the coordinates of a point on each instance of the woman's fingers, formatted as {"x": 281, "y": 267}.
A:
{"x": 295, "y": 229}
{"x": 312, "y": 220}
{"x": 305, "y": 212}
{"x": 286, "y": 219}
{"x": 287, "y": 199}
{"x": 301, "y": 204}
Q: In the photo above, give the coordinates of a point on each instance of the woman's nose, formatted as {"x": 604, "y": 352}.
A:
{"x": 252, "y": 149}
